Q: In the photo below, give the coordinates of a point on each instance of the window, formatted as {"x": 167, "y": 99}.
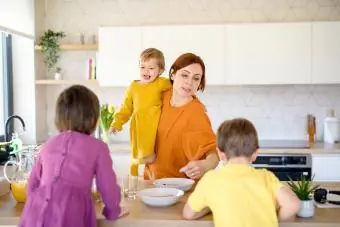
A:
{"x": 2, "y": 92}
{"x": 6, "y": 87}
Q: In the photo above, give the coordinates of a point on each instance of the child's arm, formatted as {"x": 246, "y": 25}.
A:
{"x": 35, "y": 176}
{"x": 288, "y": 202}
{"x": 106, "y": 182}
{"x": 125, "y": 112}
{"x": 190, "y": 214}
{"x": 165, "y": 84}
{"x": 196, "y": 206}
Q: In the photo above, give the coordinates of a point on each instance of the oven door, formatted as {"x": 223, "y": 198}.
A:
{"x": 283, "y": 173}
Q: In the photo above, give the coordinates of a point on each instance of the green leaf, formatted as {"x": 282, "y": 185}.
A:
{"x": 303, "y": 188}
{"x": 49, "y": 43}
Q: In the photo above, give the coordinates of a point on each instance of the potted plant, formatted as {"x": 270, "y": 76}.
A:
{"x": 50, "y": 47}
{"x": 57, "y": 74}
{"x": 304, "y": 190}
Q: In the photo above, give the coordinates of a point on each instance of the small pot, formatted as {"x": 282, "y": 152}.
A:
{"x": 57, "y": 76}
{"x": 307, "y": 209}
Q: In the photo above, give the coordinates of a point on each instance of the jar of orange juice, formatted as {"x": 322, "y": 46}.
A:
{"x": 17, "y": 171}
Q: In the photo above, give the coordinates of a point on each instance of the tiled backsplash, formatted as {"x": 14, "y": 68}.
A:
{"x": 279, "y": 112}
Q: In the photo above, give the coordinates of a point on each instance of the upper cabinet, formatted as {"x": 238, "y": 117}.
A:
{"x": 206, "y": 41}
{"x": 326, "y": 52}
{"x": 234, "y": 54}
{"x": 118, "y": 55}
{"x": 270, "y": 53}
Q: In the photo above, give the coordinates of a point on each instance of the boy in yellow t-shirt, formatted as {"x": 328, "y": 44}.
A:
{"x": 142, "y": 103}
{"x": 238, "y": 194}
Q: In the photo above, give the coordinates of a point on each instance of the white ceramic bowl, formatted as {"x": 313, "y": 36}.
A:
{"x": 183, "y": 184}
{"x": 160, "y": 197}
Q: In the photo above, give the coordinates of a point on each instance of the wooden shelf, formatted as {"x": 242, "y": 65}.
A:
{"x": 68, "y": 82}
{"x": 74, "y": 47}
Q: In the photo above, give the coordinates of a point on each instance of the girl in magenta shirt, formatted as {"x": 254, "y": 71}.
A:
{"x": 59, "y": 187}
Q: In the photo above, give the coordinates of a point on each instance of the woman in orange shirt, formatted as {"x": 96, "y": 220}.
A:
{"x": 185, "y": 143}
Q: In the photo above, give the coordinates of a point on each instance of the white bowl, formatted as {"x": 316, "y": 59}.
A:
{"x": 183, "y": 184}
{"x": 160, "y": 197}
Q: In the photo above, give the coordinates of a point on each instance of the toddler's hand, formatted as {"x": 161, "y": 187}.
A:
{"x": 123, "y": 212}
{"x": 113, "y": 130}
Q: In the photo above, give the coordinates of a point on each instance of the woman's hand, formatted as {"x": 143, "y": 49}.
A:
{"x": 194, "y": 169}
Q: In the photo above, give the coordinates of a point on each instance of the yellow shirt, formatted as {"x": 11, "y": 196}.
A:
{"x": 238, "y": 195}
{"x": 142, "y": 103}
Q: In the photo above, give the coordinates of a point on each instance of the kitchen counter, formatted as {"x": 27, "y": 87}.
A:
{"x": 315, "y": 149}
{"x": 144, "y": 216}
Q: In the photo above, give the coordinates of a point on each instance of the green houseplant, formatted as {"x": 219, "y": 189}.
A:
{"x": 50, "y": 47}
{"x": 304, "y": 190}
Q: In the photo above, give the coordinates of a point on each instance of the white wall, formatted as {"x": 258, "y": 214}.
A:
{"x": 19, "y": 15}
{"x": 277, "y": 111}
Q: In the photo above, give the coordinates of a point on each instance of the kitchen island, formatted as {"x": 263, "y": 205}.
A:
{"x": 143, "y": 216}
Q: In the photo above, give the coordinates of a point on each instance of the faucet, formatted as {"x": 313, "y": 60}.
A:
{"x": 7, "y": 133}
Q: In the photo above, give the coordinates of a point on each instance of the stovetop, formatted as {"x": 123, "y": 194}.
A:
{"x": 282, "y": 144}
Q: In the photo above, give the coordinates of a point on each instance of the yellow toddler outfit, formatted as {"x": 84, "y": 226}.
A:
{"x": 143, "y": 104}
{"x": 238, "y": 195}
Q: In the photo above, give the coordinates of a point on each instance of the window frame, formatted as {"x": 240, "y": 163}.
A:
{"x": 6, "y": 57}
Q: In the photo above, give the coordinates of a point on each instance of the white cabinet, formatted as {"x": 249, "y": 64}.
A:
{"x": 326, "y": 167}
{"x": 207, "y": 41}
{"x": 118, "y": 55}
{"x": 269, "y": 53}
{"x": 326, "y": 52}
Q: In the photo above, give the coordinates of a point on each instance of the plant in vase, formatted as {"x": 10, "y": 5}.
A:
{"x": 106, "y": 117}
{"x": 304, "y": 190}
{"x": 57, "y": 75}
{"x": 50, "y": 47}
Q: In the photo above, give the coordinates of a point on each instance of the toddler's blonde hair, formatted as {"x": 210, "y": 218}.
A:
{"x": 149, "y": 53}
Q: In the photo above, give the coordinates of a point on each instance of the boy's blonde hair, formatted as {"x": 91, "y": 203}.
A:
{"x": 149, "y": 53}
{"x": 237, "y": 138}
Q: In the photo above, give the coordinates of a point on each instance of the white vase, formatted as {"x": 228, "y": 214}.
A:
{"x": 57, "y": 76}
{"x": 307, "y": 209}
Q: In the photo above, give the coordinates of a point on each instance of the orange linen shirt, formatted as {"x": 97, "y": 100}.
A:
{"x": 184, "y": 134}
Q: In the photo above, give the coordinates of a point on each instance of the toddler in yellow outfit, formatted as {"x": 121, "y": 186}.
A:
{"x": 238, "y": 194}
{"x": 142, "y": 103}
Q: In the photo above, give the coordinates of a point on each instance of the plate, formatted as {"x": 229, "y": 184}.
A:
{"x": 183, "y": 184}
{"x": 160, "y": 197}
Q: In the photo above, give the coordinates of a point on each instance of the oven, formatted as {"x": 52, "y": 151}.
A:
{"x": 285, "y": 165}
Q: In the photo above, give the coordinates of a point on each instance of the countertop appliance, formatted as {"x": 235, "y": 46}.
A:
{"x": 286, "y": 165}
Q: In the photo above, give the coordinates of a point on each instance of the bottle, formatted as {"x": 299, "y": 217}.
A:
{"x": 311, "y": 128}
{"x": 16, "y": 143}
{"x": 331, "y": 128}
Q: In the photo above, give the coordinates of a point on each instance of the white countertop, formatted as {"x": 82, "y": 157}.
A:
{"x": 315, "y": 149}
